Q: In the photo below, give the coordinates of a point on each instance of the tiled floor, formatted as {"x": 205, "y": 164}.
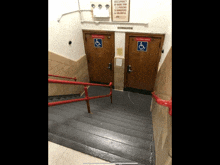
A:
{"x": 60, "y": 155}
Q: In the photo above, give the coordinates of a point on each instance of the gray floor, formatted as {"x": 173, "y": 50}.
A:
{"x": 117, "y": 132}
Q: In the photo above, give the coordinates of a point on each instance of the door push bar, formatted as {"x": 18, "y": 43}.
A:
{"x": 167, "y": 103}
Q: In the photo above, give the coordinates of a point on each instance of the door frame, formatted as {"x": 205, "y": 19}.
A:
{"x": 150, "y": 35}
{"x": 99, "y": 32}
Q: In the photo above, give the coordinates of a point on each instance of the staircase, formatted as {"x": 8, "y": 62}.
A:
{"x": 117, "y": 132}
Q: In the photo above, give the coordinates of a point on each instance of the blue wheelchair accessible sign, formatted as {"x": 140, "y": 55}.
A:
{"x": 142, "y": 46}
{"x": 98, "y": 42}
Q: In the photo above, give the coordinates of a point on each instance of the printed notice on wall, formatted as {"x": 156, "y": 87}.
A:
{"x": 120, "y": 10}
{"x": 119, "y": 51}
{"x": 118, "y": 62}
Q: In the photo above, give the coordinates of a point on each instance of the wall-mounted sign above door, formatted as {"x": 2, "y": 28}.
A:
{"x": 98, "y": 36}
{"x": 146, "y": 39}
{"x": 142, "y": 43}
{"x": 98, "y": 40}
{"x": 120, "y": 10}
{"x": 142, "y": 46}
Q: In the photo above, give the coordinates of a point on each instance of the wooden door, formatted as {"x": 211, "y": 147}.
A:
{"x": 143, "y": 52}
{"x": 99, "y": 48}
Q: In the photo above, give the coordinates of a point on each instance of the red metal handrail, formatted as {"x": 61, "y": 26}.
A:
{"x": 87, "y": 98}
{"x": 62, "y": 76}
{"x": 76, "y": 83}
{"x": 167, "y": 103}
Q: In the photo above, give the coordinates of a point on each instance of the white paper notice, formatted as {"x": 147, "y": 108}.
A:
{"x": 118, "y": 62}
{"x": 120, "y": 10}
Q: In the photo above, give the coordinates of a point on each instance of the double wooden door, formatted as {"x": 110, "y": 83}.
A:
{"x": 99, "y": 48}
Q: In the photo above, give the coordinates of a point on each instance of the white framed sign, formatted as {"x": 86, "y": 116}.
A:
{"x": 120, "y": 10}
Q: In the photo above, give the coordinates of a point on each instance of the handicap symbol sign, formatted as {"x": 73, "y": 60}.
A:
{"x": 98, "y": 42}
{"x": 142, "y": 46}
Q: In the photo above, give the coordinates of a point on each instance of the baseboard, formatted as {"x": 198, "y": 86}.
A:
{"x": 141, "y": 91}
{"x": 118, "y": 90}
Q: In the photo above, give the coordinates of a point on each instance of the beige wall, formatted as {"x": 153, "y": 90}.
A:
{"x": 162, "y": 121}
{"x": 59, "y": 65}
{"x": 67, "y": 29}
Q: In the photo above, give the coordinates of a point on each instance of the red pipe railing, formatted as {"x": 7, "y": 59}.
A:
{"x": 87, "y": 98}
{"x": 76, "y": 83}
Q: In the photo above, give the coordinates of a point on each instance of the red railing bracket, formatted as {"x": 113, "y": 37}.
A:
{"x": 167, "y": 103}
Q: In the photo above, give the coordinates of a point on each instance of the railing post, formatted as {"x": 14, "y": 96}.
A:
{"x": 111, "y": 91}
{"x": 87, "y": 97}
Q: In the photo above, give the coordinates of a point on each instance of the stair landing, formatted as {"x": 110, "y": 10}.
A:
{"x": 117, "y": 132}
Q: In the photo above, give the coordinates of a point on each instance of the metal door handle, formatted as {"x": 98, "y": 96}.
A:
{"x": 109, "y": 66}
{"x": 129, "y": 69}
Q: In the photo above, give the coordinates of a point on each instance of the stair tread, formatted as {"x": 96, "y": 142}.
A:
{"x": 123, "y": 111}
{"x": 130, "y": 119}
{"x": 111, "y": 146}
{"x": 67, "y": 112}
{"x": 146, "y": 135}
{"x": 127, "y": 139}
{"x": 87, "y": 149}
{"x": 114, "y": 110}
